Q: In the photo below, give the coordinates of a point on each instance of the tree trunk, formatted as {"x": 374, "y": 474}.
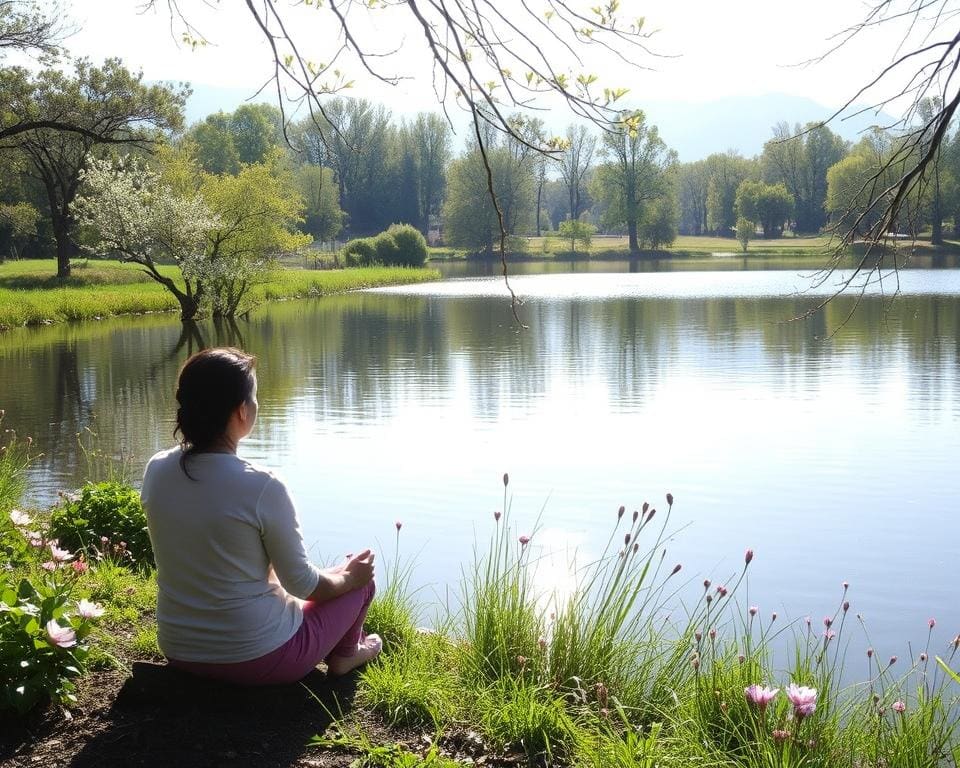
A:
{"x": 64, "y": 248}
{"x": 632, "y": 234}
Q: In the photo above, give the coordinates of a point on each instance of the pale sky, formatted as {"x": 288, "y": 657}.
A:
{"x": 745, "y": 47}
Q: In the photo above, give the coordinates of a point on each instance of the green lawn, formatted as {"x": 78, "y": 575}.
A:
{"x": 31, "y": 294}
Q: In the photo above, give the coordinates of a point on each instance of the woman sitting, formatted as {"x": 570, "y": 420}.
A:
{"x": 238, "y": 599}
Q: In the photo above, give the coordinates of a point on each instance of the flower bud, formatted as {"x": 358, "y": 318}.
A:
{"x": 931, "y": 623}
{"x": 636, "y": 515}
{"x": 621, "y": 511}
{"x": 645, "y": 507}
{"x": 524, "y": 540}
{"x": 893, "y": 660}
{"x": 869, "y": 653}
{"x": 669, "y": 499}
{"x": 506, "y": 479}
{"x": 846, "y": 606}
{"x": 626, "y": 539}
{"x": 496, "y": 515}
{"x": 399, "y": 525}
{"x": 676, "y": 569}
{"x": 748, "y": 556}
{"x": 706, "y": 583}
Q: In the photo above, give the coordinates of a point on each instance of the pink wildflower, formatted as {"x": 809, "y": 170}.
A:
{"x": 80, "y": 566}
{"x": 62, "y": 637}
{"x": 846, "y": 606}
{"x": 748, "y": 557}
{"x": 49, "y": 566}
{"x": 898, "y": 706}
{"x": 524, "y": 540}
{"x": 760, "y": 695}
{"x": 706, "y": 583}
{"x": 869, "y": 653}
{"x": 804, "y": 700}
{"x": 827, "y": 621}
{"x": 893, "y": 660}
{"x": 754, "y": 610}
{"x": 399, "y": 525}
{"x": 931, "y": 623}
{"x": 59, "y": 555}
{"x": 88, "y": 610}
{"x": 780, "y": 735}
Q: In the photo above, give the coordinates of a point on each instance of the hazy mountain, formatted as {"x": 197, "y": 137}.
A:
{"x": 695, "y": 130}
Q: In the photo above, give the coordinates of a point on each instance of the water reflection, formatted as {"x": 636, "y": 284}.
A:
{"x": 831, "y": 450}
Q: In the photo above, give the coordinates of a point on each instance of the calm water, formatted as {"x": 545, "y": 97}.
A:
{"x": 833, "y": 457}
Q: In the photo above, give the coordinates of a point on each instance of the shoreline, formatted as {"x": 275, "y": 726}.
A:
{"x": 31, "y": 297}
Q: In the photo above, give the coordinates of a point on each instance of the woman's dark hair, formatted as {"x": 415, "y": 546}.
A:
{"x": 212, "y": 384}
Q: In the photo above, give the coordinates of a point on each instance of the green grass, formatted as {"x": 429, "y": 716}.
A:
{"x": 31, "y": 294}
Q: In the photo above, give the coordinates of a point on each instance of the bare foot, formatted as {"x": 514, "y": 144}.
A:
{"x": 367, "y": 649}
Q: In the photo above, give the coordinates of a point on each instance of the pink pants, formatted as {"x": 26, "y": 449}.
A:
{"x": 331, "y": 628}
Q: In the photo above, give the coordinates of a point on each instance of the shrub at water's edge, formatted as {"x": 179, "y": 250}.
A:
{"x": 400, "y": 245}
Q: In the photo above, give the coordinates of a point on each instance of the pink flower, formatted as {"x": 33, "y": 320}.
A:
{"x": 760, "y": 695}
{"x": 748, "y": 557}
{"x": 893, "y": 660}
{"x": 931, "y": 623}
{"x": 754, "y": 610}
{"x": 80, "y": 566}
{"x": 49, "y": 566}
{"x": 36, "y": 542}
{"x": 706, "y": 583}
{"x": 59, "y": 555}
{"x": 88, "y": 610}
{"x": 846, "y": 606}
{"x": 62, "y": 637}
{"x": 804, "y": 700}
{"x": 898, "y": 706}
{"x": 846, "y": 585}
{"x": 20, "y": 519}
{"x": 524, "y": 540}
{"x": 496, "y": 515}
{"x": 399, "y": 525}
{"x": 827, "y": 621}
{"x": 869, "y": 653}
{"x": 780, "y": 735}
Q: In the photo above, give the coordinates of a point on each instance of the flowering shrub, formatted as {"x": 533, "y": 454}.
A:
{"x": 105, "y": 519}
{"x": 42, "y": 633}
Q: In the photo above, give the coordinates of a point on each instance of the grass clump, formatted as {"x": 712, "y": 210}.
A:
{"x": 415, "y": 684}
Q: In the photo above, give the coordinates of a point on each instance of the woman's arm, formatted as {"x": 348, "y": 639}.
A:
{"x": 339, "y": 580}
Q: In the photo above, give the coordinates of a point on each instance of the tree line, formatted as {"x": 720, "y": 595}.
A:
{"x": 362, "y": 170}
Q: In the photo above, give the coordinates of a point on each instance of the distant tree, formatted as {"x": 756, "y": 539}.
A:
{"x": 725, "y": 172}
{"x": 575, "y": 161}
{"x": 694, "y": 186}
{"x": 577, "y": 231}
{"x": 113, "y": 106}
{"x": 254, "y": 129}
{"x": 634, "y": 175}
{"x": 659, "y": 225}
{"x": 768, "y": 204}
{"x": 470, "y": 219}
{"x": 799, "y": 159}
{"x": 215, "y": 148}
{"x": 323, "y": 217}
{"x": 745, "y": 232}
{"x": 431, "y": 139}
{"x": 18, "y": 224}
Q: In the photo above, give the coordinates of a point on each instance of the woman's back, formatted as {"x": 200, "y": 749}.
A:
{"x": 215, "y": 534}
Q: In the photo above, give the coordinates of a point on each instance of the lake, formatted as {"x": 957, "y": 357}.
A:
{"x": 828, "y": 444}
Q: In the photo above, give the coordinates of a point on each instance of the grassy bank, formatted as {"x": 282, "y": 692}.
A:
{"x": 605, "y": 674}
{"x": 31, "y": 294}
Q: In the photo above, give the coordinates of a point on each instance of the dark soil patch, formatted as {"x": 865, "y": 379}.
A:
{"x": 162, "y": 717}
{"x": 158, "y": 716}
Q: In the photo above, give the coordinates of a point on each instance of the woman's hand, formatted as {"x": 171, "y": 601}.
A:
{"x": 358, "y": 570}
{"x": 353, "y": 574}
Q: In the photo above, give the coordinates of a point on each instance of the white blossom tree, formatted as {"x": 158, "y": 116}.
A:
{"x": 144, "y": 221}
